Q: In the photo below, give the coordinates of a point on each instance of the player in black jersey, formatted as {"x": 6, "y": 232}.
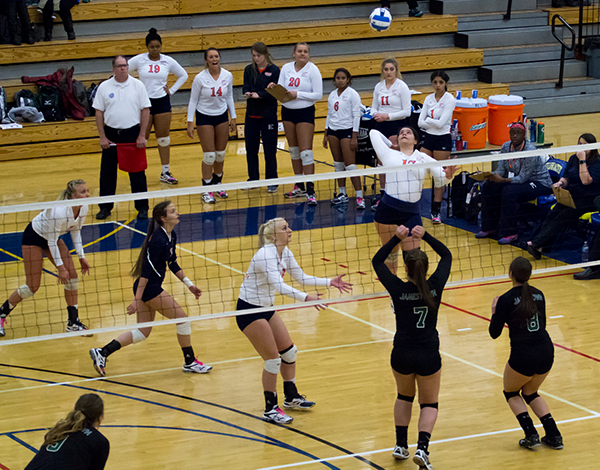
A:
{"x": 523, "y": 309}
{"x": 416, "y": 360}
{"x": 75, "y": 442}
{"x": 157, "y": 252}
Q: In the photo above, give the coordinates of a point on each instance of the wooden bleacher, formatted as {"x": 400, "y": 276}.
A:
{"x": 571, "y": 15}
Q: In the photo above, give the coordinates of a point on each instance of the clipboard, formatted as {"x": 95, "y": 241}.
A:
{"x": 481, "y": 175}
{"x": 280, "y": 93}
{"x": 563, "y": 196}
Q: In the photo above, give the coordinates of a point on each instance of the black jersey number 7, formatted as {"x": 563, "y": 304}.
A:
{"x": 422, "y": 312}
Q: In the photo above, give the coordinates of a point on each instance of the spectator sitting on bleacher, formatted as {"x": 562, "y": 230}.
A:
{"x": 514, "y": 182}
{"x": 582, "y": 179}
{"x": 593, "y": 272}
{"x": 16, "y": 12}
{"x": 63, "y": 7}
{"x": 413, "y": 7}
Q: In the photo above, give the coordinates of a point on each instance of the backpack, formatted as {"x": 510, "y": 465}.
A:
{"x": 26, "y": 98}
{"x": 50, "y": 98}
{"x": 80, "y": 92}
{"x": 3, "y": 107}
{"x": 461, "y": 186}
{"x": 365, "y": 153}
{"x": 473, "y": 202}
{"x": 91, "y": 94}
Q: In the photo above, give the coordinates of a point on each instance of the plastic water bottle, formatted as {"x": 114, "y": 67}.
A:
{"x": 585, "y": 252}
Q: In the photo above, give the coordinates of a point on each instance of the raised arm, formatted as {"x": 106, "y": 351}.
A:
{"x": 442, "y": 271}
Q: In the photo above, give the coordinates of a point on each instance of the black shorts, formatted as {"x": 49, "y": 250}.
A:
{"x": 160, "y": 105}
{"x": 416, "y": 361}
{"x": 391, "y": 128}
{"x": 244, "y": 320}
{"x": 340, "y": 134}
{"x": 150, "y": 292}
{"x": 296, "y": 116}
{"x": 438, "y": 142}
{"x": 206, "y": 120}
{"x": 32, "y": 238}
{"x": 388, "y": 215}
{"x": 532, "y": 360}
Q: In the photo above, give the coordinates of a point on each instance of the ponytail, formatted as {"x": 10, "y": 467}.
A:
{"x": 87, "y": 412}
{"x": 266, "y": 232}
{"x": 520, "y": 270}
{"x": 159, "y": 211}
{"x": 70, "y": 189}
{"x": 417, "y": 265}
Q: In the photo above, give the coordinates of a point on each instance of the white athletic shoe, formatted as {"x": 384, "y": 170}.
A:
{"x": 276, "y": 415}
{"x": 341, "y": 198}
{"x": 421, "y": 458}
{"x": 99, "y": 361}
{"x": 296, "y": 192}
{"x": 208, "y": 198}
{"x": 197, "y": 367}
{"x": 298, "y": 403}
{"x": 77, "y": 326}
{"x": 360, "y": 203}
{"x": 168, "y": 178}
{"x": 2, "y": 325}
{"x": 400, "y": 453}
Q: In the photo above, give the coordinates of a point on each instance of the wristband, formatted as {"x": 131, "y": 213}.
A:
{"x": 187, "y": 282}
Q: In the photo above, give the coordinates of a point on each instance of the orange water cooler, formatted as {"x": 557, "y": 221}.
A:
{"x": 504, "y": 110}
{"x": 472, "y": 116}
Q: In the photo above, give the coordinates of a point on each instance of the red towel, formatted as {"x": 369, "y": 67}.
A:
{"x": 131, "y": 158}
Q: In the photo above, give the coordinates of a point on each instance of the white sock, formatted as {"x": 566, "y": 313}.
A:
{"x": 165, "y": 168}
{"x": 207, "y": 181}
{"x": 342, "y": 189}
{"x": 359, "y": 193}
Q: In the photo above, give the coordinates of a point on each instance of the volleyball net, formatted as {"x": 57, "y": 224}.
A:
{"x": 216, "y": 243}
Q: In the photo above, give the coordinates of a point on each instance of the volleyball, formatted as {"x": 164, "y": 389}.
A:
{"x": 380, "y": 19}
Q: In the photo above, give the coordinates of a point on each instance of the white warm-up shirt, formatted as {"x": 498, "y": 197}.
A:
{"x": 405, "y": 185}
{"x": 121, "y": 103}
{"x": 344, "y": 110}
{"x": 154, "y": 73}
{"x": 265, "y": 277}
{"x": 394, "y": 101}
{"x": 52, "y": 223}
{"x": 307, "y": 82}
{"x": 436, "y": 116}
{"x": 212, "y": 97}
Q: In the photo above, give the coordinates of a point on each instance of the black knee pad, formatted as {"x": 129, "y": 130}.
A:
{"x": 529, "y": 398}
{"x": 430, "y": 405}
{"x": 406, "y": 398}
{"x": 509, "y": 395}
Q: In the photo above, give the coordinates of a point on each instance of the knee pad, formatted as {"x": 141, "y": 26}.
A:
{"x": 351, "y": 167}
{"x": 209, "y": 158}
{"x": 509, "y": 395}
{"x": 184, "y": 329}
{"x": 24, "y": 292}
{"x": 72, "y": 284}
{"x": 289, "y": 355}
{"x": 339, "y": 166}
{"x": 163, "y": 141}
{"x": 295, "y": 153}
{"x": 529, "y": 398}
{"x": 220, "y": 156}
{"x": 272, "y": 366}
{"x": 429, "y": 405}
{"x": 406, "y": 398}
{"x": 307, "y": 157}
{"x": 392, "y": 258}
{"x": 137, "y": 336}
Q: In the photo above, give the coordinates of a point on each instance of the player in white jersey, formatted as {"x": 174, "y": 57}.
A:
{"x": 391, "y": 107}
{"x": 211, "y": 97}
{"x": 42, "y": 237}
{"x": 401, "y": 203}
{"x": 303, "y": 81}
{"x": 436, "y": 119}
{"x": 341, "y": 133}
{"x": 266, "y": 331}
{"x": 153, "y": 69}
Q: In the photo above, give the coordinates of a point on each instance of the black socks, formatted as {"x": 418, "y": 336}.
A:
{"x": 188, "y": 355}
{"x": 110, "y": 348}
{"x": 423, "y": 442}
{"x": 402, "y": 436}
{"x": 270, "y": 400}
{"x": 73, "y": 314}
{"x": 5, "y": 309}
{"x": 527, "y": 424}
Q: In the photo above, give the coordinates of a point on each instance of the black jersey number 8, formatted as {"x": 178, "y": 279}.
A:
{"x": 422, "y": 312}
{"x": 533, "y": 324}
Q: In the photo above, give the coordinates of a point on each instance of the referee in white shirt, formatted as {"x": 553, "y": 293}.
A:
{"x": 122, "y": 112}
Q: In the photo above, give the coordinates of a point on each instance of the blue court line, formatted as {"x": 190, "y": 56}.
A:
{"x": 272, "y": 440}
{"x": 16, "y": 439}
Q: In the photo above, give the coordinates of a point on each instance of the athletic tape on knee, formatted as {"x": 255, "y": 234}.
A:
{"x": 289, "y": 355}
{"x": 137, "y": 336}
{"x": 273, "y": 365}
{"x": 184, "y": 328}
{"x": 163, "y": 141}
{"x": 220, "y": 156}
{"x": 209, "y": 158}
{"x": 509, "y": 395}
{"x": 339, "y": 166}
{"x": 529, "y": 398}
{"x": 392, "y": 258}
{"x": 351, "y": 167}
{"x": 24, "y": 292}
{"x": 429, "y": 405}
{"x": 406, "y": 398}
{"x": 307, "y": 157}
{"x": 295, "y": 153}
{"x": 72, "y": 284}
